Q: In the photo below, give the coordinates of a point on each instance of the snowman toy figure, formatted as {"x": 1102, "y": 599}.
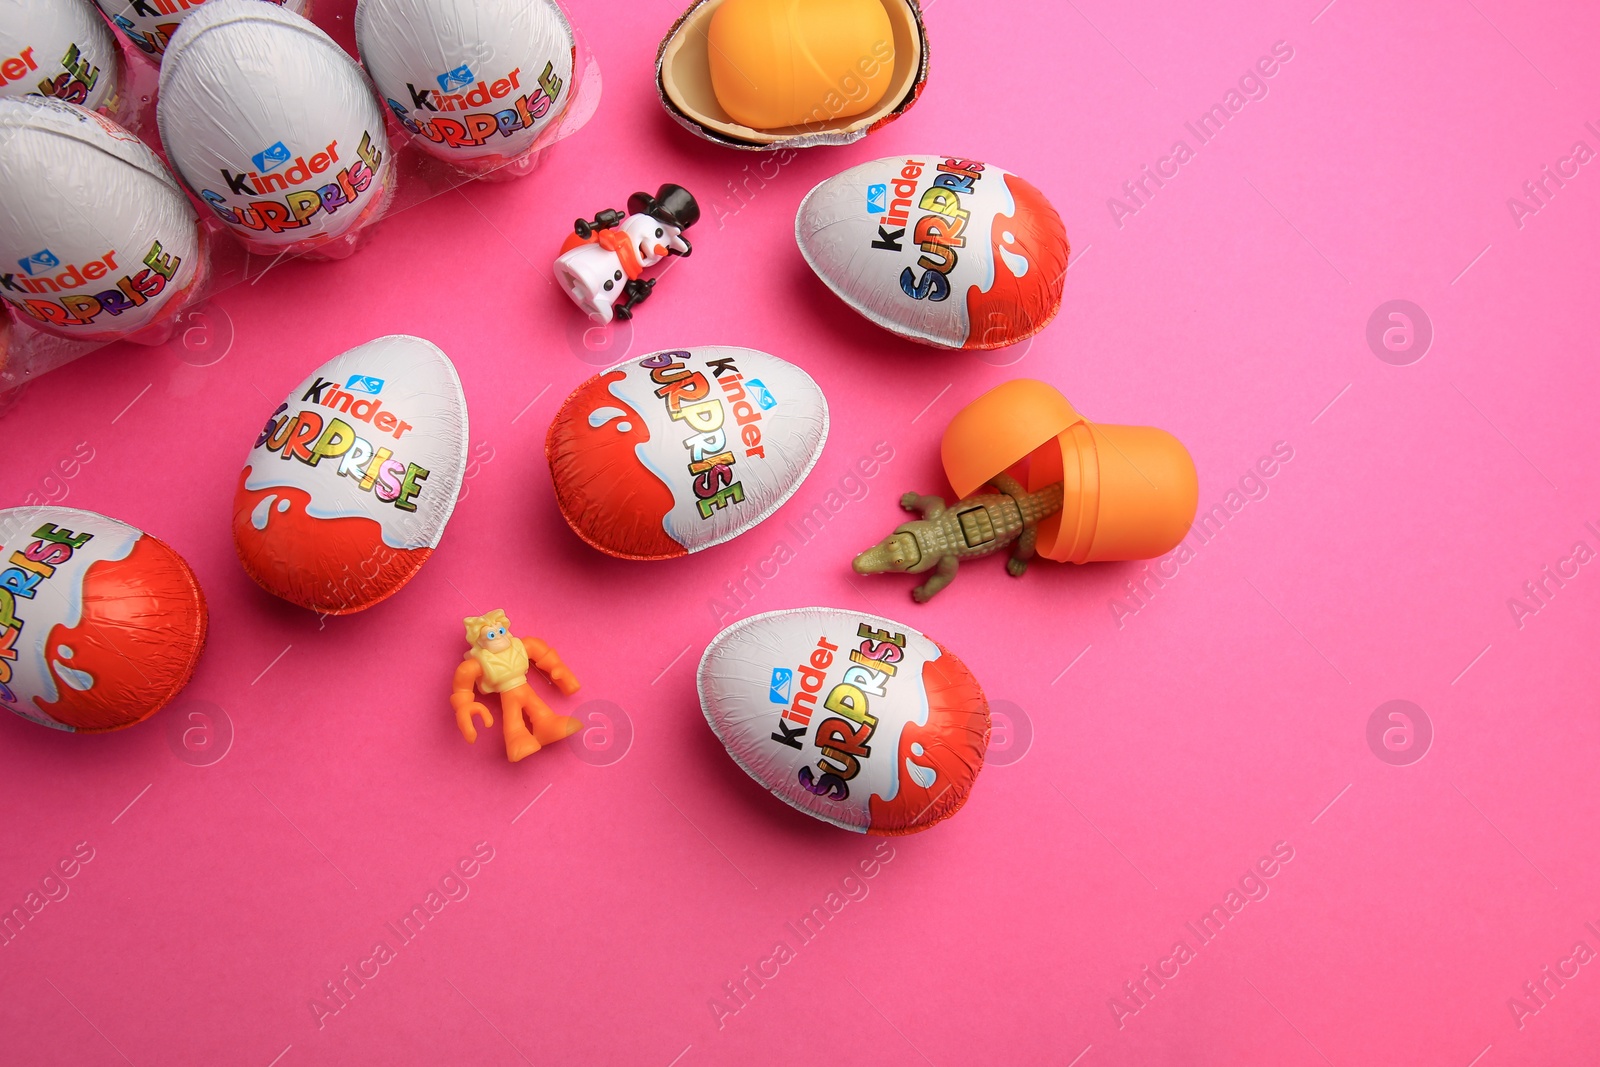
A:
{"x": 602, "y": 259}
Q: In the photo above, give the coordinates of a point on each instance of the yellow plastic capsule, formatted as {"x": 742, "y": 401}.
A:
{"x": 782, "y": 63}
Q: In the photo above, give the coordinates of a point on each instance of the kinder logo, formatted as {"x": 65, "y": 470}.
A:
{"x": 262, "y": 181}
{"x": 270, "y": 159}
{"x": 40, "y": 279}
{"x": 459, "y": 78}
{"x": 40, "y": 261}
{"x": 457, "y": 92}
{"x": 763, "y": 397}
{"x": 778, "y": 691}
{"x": 361, "y": 383}
{"x": 877, "y": 199}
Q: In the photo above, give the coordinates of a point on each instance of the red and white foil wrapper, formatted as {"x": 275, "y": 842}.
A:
{"x": 58, "y": 48}
{"x": 946, "y": 251}
{"x": 97, "y": 241}
{"x": 852, "y": 718}
{"x": 473, "y": 81}
{"x": 274, "y": 128}
{"x": 354, "y": 476}
{"x": 150, "y": 24}
{"x": 676, "y": 451}
{"x": 101, "y": 623}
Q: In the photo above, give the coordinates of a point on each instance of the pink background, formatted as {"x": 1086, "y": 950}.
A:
{"x": 1170, "y": 748}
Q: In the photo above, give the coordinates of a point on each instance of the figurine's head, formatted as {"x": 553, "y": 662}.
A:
{"x": 897, "y": 552}
{"x": 656, "y": 223}
{"x": 490, "y": 632}
{"x": 654, "y": 239}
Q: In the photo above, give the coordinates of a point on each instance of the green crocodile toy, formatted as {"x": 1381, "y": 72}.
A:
{"x": 975, "y": 526}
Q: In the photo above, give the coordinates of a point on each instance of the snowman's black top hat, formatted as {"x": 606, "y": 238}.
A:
{"x": 672, "y": 204}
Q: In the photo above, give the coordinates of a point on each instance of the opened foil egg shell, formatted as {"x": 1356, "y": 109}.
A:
{"x": 681, "y": 450}
{"x": 354, "y": 476}
{"x": 102, "y": 623}
{"x": 684, "y": 84}
{"x": 101, "y": 243}
{"x": 946, "y": 251}
{"x": 274, "y": 128}
{"x": 851, "y": 718}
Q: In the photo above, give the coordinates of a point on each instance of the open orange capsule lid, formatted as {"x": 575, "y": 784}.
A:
{"x": 1002, "y": 428}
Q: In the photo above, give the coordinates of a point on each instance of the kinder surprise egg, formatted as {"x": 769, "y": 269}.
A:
{"x": 273, "y": 126}
{"x": 859, "y": 721}
{"x": 949, "y": 252}
{"x": 102, "y": 624}
{"x": 678, "y": 451}
{"x": 471, "y": 80}
{"x": 96, "y": 240}
{"x": 58, "y": 48}
{"x": 770, "y": 74}
{"x": 150, "y": 24}
{"x": 349, "y": 486}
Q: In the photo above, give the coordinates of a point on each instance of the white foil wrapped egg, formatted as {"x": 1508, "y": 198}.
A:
{"x": 351, "y": 480}
{"x": 475, "y": 82}
{"x": 946, "y": 251}
{"x": 274, "y": 128}
{"x": 851, "y": 718}
{"x": 97, "y": 241}
{"x": 58, "y": 48}
{"x": 677, "y": 451}
{"x": 102, "y": 624}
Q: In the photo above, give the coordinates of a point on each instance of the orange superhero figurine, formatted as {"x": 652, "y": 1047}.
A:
{"x": 498, "y": 663}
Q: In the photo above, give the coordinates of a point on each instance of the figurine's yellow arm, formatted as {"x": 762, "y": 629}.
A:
{"x": 465, "y": 702}
{"x": 544, "y": 657}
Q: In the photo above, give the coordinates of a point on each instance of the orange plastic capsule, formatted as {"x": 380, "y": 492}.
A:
{"x": 1128, "y": 492}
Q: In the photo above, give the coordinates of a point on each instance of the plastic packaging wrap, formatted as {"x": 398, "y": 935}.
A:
{"x": 420, "y": 178}
{"x": 949, "y": 252}
{"x": 103, "y": 623}
{"x": 851, "y": 718}
{"x": 350, "y": 483}
{"x": 677, "y": 451}
{"x": 97, "y": 241}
